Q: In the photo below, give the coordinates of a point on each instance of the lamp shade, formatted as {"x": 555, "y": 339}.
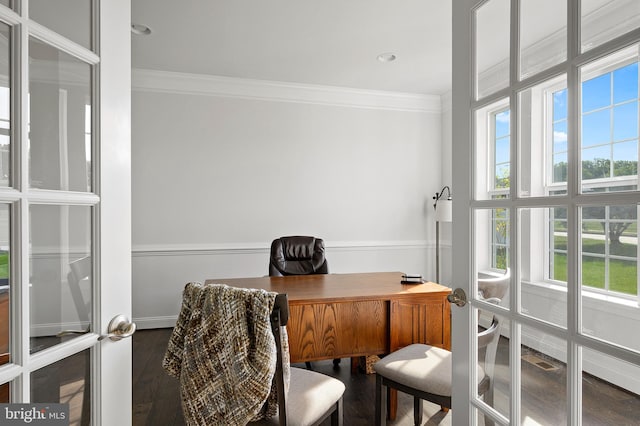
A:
{"x": 444, "y": 210}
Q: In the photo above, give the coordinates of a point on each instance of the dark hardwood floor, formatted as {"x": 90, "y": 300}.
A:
{"x": 156, "y": 396}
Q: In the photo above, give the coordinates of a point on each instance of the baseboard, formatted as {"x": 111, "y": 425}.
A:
{"x": 155, "y": 322}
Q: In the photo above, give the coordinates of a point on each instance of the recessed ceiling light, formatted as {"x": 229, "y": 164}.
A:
{"x": 386, "y": 57}
{"x": 140, "y": 29}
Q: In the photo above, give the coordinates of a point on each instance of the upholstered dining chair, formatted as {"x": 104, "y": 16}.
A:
{"x": 494, "y": 286}
{"x": 297, "y": 255}
{"x": 425, "y": 372}
{"x": 229, "y": 349}
{"x": 312, "y": 397}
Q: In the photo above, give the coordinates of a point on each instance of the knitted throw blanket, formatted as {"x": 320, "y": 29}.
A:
{"x": 223, "y": 352}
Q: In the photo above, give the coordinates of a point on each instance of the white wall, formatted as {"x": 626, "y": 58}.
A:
{"x": 221, "y": 167}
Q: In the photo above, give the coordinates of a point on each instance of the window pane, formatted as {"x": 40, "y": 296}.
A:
{"x": 610, "y": 248}
{"x": 67, "y": 381}
{"x": 502, "y": 150}
{"x": 560, "y": 105}
{"x": 492, "y": 149}
{"x": 625, "y": 83}
{"x": 560, "y": 136}
{"x": 596, "y": 163}
{"x": 502, "y": 124}
{"x": 596, "y": 128}
{"x": 625, "y": 159}
{"x": 543, "y": 35}
{"x": 71, "y": 18}
{"x": 625, "y": 121}
{"x": 604, "y": 20}
{"x": 492, "y": 47}
{"x": 596, "y": 93}
{"x": 60, "y": 92}
{"x": 61, "y": 287}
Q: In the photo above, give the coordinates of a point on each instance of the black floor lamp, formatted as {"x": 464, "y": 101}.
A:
{"x": 443, "y": 208}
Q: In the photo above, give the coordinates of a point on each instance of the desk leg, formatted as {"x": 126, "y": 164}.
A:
{"x": 392, "y": 403}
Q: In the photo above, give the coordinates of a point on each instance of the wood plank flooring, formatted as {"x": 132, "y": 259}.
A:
{"x": 156, "y": 396}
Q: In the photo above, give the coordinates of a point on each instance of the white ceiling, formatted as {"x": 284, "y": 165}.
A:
{"x": 325, "y": 42}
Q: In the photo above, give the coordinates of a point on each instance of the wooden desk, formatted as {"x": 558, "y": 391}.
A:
{"x": 349, "y": 315}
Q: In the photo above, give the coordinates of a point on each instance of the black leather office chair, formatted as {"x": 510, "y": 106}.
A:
{"x": 297, "y": 255}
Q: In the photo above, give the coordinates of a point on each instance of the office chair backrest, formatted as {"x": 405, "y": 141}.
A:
{"x": 297, "y": 255}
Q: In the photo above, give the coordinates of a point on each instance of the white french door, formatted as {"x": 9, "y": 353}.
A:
{"x": 545, "y": 148}
{"x": 65, "y": 208}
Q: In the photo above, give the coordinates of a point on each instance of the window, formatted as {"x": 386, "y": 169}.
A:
{"x": 608, "y": 150}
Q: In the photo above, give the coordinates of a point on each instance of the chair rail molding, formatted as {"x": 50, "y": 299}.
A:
{"x": 144, "y": 250}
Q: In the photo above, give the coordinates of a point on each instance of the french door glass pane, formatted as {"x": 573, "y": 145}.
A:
{"x": 543, "y": 378}
{"x": 5, "y": 393}
{"x": 604, "y": 20}
{"x": 60, "y": 273}
{"x": 609, "y": 123}
{"x": 498, "y": 395}
{"x": 60, "y": 120}
{"x": 493, "y": 150}
{"x": 70, "y": 18}
{"x": 543, "y": 35}
{"x": 67, "y": 381}
{"x": 607, "y": 396}
{"x": 5, "y": 105}
{"x": 609, "y": 265}
{"x": 492, "y": 47}
{"x": 5, "y": 289}
{"x": 543, "y": 257}
{"x": 492, "y": 245}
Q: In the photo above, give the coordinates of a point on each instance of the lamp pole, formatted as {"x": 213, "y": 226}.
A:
{"x": 442, "y": 214}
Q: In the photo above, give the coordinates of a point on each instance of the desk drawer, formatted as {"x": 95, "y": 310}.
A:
{"x": 337, "y": 330}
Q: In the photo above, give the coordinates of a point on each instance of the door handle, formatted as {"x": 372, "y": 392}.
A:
{"x": 458, "y": 297}
{"x": 120, "y": 327}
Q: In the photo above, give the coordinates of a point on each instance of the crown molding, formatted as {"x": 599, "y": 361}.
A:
{"x": 209, "y": 85}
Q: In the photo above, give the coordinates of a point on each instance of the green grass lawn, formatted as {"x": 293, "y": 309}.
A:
{"x": 622, "y": 274}
{"x": 4, "y": 265}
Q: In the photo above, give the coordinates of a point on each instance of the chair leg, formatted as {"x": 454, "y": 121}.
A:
{"x": 417, "y": 411}
{"x": 381, "y": 402}
{"x": 337, "y": 415}
{"x": 308, "y": 364}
